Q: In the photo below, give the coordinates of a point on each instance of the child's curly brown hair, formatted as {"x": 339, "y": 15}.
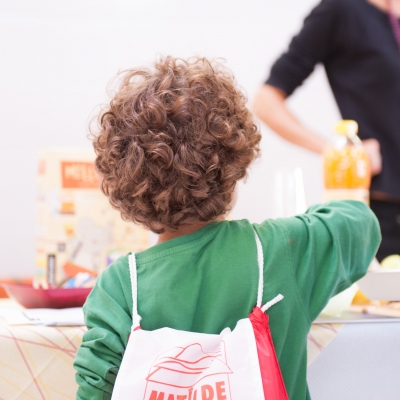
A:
{"x": 173, "y": 143}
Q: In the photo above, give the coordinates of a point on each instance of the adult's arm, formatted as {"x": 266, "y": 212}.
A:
{"x": 323, "y": 34}
{"x": 317, "y": 40}
{"x": 271, "y": 108}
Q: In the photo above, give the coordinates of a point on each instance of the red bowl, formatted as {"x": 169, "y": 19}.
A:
{"x": 29, "y": 297}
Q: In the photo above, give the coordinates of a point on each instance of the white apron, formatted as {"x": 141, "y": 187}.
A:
{"x": 168, "y": 364}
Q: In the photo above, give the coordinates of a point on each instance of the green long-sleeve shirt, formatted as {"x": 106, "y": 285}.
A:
{"x": 206, "y": 281}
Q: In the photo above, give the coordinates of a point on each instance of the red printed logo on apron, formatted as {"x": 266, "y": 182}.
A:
{"x": 189, "y": 373}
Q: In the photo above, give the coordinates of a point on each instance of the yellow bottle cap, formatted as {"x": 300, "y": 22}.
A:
{"x": 347, "y": 127}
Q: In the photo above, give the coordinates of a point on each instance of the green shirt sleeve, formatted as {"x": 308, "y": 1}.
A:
{"x": 108, "y": 318}
{"x": 331, "y": 247}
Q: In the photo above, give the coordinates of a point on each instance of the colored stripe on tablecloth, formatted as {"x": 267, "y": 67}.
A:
{"x": 70, "y": 353}
{"x": 26, "y": 363}
{"x": 54, "y": 345}
{"x": 67, "y": 338}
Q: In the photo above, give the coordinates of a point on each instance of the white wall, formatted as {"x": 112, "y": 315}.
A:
{"x": 58, "y": 56}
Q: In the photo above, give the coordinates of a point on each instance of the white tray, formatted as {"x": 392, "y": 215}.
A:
{"x": 381, "y": 285}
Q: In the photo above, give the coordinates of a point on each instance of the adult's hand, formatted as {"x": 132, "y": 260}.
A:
{"x": 373, "y": 150}
{"x": 270, "y": 107}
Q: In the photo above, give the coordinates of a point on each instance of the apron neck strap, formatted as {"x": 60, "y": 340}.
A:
{"x": 133, "y": 274}
{"x": 260, "y": 259}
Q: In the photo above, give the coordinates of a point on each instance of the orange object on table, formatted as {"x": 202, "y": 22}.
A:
{"x": 346, "y": 168}
{"x": 347, "y": 173}
{"x": 71, "y": 270}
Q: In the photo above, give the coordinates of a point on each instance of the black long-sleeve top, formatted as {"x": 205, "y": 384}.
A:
{"x": 354, "y": 41}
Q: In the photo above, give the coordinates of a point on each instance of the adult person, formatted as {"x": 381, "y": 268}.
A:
{"x": 358, "y": 42}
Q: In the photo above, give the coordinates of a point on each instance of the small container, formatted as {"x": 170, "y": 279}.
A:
{"x": 347, "y": 173}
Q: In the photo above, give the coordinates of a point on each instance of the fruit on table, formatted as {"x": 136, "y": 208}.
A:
{"x": 391, "y": 262}
{"x": 360, "y": 298}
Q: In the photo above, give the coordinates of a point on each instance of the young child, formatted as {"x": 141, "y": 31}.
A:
{"x": 171, "y": 147}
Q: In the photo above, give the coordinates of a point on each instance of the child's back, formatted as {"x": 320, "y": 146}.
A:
{"x": 207, "y": 280}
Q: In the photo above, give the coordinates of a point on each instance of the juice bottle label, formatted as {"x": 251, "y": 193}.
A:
{"x": 346, "y": 168}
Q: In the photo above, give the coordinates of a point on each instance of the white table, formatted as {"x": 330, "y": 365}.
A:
{"x": 362, "y": 362}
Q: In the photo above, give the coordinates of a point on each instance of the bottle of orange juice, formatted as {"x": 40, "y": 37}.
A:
{"x": 346, "y": 166}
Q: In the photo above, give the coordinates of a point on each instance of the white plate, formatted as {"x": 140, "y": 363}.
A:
{"x": 381, "y": 285}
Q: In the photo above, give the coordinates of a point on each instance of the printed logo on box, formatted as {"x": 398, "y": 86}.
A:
{"x": 189, "y": 373}
{"x": 79, "y": 175}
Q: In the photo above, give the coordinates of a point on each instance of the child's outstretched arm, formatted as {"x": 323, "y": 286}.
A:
{"x": 331, "y": 246}
{"x": 108, "y": 318}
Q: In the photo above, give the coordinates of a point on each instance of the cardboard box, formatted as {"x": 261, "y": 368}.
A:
{"x": 75, "y": 222}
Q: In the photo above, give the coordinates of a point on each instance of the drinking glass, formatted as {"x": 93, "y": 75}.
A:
{"x": 290, "y": 197}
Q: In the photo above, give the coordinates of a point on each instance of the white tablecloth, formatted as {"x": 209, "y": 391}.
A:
{"x": 346, "y": 361}
{"x": 362, "y": 362}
